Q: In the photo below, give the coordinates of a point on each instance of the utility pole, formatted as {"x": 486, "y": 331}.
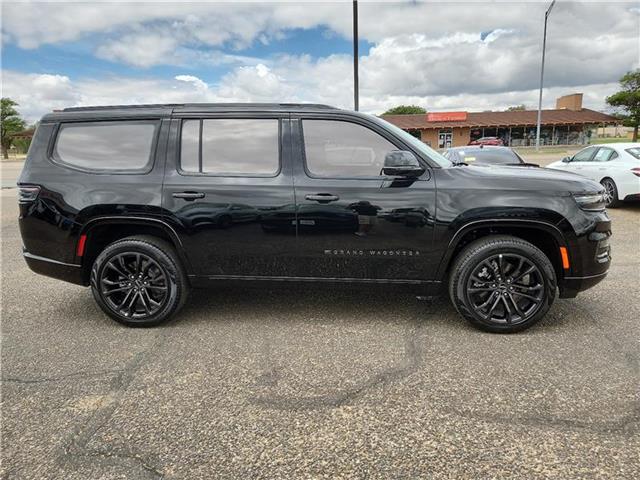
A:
{"x": 356, "y": 100}
{"x": 544, "y": 45}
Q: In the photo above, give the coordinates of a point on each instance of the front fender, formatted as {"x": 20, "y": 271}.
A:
{"x": 499, "y": 225}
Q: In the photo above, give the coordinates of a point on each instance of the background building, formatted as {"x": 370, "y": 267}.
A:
{"x": 567, "y": 124}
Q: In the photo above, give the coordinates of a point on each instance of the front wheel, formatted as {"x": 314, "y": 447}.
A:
{"x": 502, "y": 284}
{"x": 139, "y": 281}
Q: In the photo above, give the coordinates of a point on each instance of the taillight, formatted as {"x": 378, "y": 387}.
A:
{"x": 27, "y": 194}
{"x": 636, "y": 171}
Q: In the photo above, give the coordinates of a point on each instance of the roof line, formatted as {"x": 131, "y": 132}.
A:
{"x": 199, "y": 105}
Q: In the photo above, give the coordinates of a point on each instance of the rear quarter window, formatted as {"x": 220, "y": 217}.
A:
{"x": 117, "y": 146}
{"x": 634, "y": 152}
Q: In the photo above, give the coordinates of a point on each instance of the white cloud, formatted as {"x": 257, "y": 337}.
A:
{"x": 199, "y": 84}
{"x": 454, "y": 56}
{"x": 142, "y": 50}
{"x": 297, "y": 79}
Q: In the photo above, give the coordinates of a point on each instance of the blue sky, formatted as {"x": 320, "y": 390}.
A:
{"x": 443, "y": 56}
{"x": 78, "y": 58}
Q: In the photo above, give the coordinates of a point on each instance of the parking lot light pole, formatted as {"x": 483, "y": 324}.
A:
{"x": 356, "y": 100}
{"x": 544, "y": 45}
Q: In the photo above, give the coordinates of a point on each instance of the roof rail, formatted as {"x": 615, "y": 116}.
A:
{"x": 121, "y": 107}
{"x": 201, "y": 105}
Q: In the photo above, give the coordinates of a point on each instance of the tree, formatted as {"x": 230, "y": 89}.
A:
{"x": 405, "y": 110}
{"x": 11, "y": 123}
{"x": 517, "y": 108}
{"x": 628, "y": 101}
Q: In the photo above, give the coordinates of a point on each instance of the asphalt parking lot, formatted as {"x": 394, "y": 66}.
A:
{"x": 309, "y": 382}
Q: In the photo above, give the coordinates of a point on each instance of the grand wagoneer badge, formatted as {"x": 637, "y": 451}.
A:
{"x": 373, "y": 253}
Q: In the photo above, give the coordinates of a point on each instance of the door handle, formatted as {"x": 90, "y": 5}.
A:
{"x": 189, "y": 196}
{"x": 322, "y": 197}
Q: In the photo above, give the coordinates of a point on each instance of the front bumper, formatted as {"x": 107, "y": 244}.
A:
{"x": 571, "y": 286}
{"x": 590, "y": 256}
{"x": 52, "y": 268}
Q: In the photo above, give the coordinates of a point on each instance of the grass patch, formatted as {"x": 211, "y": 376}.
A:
{"x": 610, "y": 140}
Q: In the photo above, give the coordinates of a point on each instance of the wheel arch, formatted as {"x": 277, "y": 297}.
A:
{"x": 103, "y": 231}
{"x": 545, "y": 236}
{"x": 609, "y": 177}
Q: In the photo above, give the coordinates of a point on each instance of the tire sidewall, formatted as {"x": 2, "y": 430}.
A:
{"x": 537, "y": 257}
{"x": 165, "y": 262}
{"x": 615, "y": 201}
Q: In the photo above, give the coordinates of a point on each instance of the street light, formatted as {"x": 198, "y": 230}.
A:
{"x": 544, "y": 45}
{"x": 356, "y": 100}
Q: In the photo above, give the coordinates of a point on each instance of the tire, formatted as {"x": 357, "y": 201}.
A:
{"x": 151, "y": 260}
{"x": 611, "y": 190}
{"x": 475, "y": 279}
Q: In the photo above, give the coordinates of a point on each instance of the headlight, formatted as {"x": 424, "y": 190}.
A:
{"x": 592, "y": 202}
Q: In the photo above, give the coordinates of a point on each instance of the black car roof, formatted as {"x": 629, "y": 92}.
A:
{"x": 475, "y": 148}
{"x": 167, "y": 109}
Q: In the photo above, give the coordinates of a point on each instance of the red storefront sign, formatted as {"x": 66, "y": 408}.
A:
{"x": 446, "y": 116}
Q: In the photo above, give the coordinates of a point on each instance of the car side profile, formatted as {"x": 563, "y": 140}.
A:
{"x": 615, "y": 166}
{"x": 144, "y": 203}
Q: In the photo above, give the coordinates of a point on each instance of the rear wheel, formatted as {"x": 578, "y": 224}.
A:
{"x": 502, "y": 284}
{"x": 139, "y": 281}
{"x": 610, "y": 192}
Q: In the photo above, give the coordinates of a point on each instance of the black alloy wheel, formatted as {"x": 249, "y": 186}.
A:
{"x": 502, "y": 284}
{"x": 506, "y": 288}
{"x": 134, "y": 285}
{"x": 139, "y": 281}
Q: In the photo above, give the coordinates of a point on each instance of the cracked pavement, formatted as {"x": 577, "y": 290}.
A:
{"x": 318, "y": 382}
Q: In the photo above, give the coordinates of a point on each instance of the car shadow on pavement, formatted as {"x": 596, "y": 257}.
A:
{"x": 311, "y": 303}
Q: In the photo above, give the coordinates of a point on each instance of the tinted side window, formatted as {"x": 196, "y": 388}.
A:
{"x": 124, "y": 146}
{"x": 190, "y": 146}
{"x": 583, "y": 155}
{"x": 224, "y": 146}
{"x": 604, "y": 155}
{"x": 343, "y": 149}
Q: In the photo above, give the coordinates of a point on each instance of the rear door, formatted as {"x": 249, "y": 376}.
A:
{"x": 354, "y": 222}
{"x": 227, "y": 176}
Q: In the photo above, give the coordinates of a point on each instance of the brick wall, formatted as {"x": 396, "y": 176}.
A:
{"x": 461, "y": 136}
{"x": 430, "y": 137}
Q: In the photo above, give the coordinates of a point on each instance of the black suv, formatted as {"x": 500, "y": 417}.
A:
{"x": 143, "y": 203}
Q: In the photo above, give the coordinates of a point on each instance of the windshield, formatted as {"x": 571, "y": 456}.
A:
{"x": 415, "y": 143}
{"x": 489, "y": 155}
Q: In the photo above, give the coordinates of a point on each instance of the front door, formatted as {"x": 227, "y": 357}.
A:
{"x": 227, "y": 182}
{"x": 352, "y": 221}
{"x": 445, "y": 139}
{"x": 580, "y": 161}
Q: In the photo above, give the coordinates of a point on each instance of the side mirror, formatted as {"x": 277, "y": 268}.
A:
{"x": 566, "y": 159}
{"x": 400, "y": 163}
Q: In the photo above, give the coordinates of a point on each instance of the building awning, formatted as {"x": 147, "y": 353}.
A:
{"x": 519, "y": 118}
{"x": 24, "y": 134}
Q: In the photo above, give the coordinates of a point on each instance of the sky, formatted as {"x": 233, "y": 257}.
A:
{"x": 442, "y": 56}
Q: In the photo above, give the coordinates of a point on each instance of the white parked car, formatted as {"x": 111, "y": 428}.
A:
{"x": 615, "y": 165}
